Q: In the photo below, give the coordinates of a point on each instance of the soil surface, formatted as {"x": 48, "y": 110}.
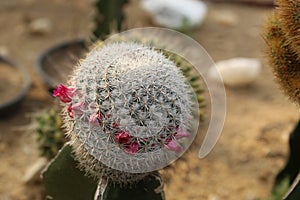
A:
{"x": 253, "y": 145}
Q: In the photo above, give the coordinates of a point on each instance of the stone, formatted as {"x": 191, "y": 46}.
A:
{"x": 225, "y": 18}
{"x": 4, "y": 51}
{"x": 40, "y": 26}
{"x": 176, "y": 14}
{"x": 236, "y": 71}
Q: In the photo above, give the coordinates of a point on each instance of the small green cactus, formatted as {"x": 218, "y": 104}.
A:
{"x": 109, "y": 17}
{"x": 49, "y": 132}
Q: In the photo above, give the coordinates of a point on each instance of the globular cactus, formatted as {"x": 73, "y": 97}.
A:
{"x": 128, "y": 111}
{"x": 283, "y": 38}
{"x": 109, "y": 17}
{"x": 50, "y": 136}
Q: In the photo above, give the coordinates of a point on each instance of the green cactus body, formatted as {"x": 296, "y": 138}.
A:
{"x": 109, "y": 17}
{"x": 130, "y": 111}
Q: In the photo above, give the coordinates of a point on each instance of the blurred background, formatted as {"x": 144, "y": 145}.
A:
{"x": 253, "y": 146}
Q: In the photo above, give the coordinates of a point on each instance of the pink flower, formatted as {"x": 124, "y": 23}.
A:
{"x": 96, "y": 119}
{"x": 64, "y": 93}
{"x": 132, "y": 148}
{"x": 76, "y": 109}
{"x": 181, "y": 134}
{"x": 174, "y": 146}
{"x": 123, "y": 137}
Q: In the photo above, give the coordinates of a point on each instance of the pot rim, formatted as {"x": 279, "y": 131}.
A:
{"x": 48, "y": 80}
{"x": 25, "y": 84}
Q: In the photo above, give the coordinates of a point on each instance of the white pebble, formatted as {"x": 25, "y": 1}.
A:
{"x": 176, "y": 14}
{"x": 40, "y": 26}
{"x": 236, "y": 71}
{"x": 34, "y": 171}
{"x": 226, "y": 18}
{"x": 4, "y": 51}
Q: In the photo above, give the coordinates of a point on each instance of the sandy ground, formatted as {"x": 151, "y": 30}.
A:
{"x": 253, "y": 144}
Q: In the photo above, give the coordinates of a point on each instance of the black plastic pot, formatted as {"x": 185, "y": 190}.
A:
{"x": 11, "y": 104}
{"x": 56, "y": 63}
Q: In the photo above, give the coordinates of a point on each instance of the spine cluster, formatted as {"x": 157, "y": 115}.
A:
{"x": 127, "y": 108}
{"x": 282, "y": 35}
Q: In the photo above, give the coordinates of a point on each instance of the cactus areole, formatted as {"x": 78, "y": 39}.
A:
{"x": 128, "y": 107}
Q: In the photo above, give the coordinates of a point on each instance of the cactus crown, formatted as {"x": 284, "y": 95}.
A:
{"x": 128, "y": 108}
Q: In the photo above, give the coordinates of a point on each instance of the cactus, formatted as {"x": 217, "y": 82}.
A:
{"x": 133, "y": 108}
{"x": 63, "y": 180}
{"x": 283, "y": 58}
{"x": 50, "y": 136}
{"x": 283, "y": 50}
{"x": 108, "y": 18}
{"x": 128, "y": 111}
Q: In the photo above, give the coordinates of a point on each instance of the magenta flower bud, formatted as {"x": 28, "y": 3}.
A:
{"x": 123, "y": 137}
{"x": 64, "y": 93}
{"x": 132, "y": 148}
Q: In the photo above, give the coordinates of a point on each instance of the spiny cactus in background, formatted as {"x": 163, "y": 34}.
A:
{"x": 283, "y": 38}
{"x": 109, "y": 17}
{"x": 289, "y": 14}
{"x": 128, "y": 108}
{"x": 50, "y": 136}
{"x": 282, "y": 35}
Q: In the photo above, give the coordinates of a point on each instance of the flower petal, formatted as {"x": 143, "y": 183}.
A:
{"x": 64, "y": 93}
{"x": 96, "y": 119}
{"x": 123, "y": 137}
{"x": 132, "y": 148}
{"x": 174, "y": 146}
{"x": 181, "y": 134}
{"x": 76, "y": 109}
